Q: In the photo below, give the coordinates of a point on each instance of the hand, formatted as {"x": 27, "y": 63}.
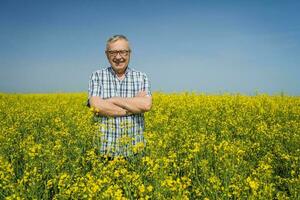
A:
{"x": 115, "y": 100}
{"x": 141, "y": 94}
{"x": 128, "y": 113}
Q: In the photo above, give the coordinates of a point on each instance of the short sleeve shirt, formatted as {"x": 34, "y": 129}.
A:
{"x": 119, "y": 134}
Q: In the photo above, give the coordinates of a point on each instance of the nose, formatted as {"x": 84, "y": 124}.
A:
{"x": 118, "y": 55}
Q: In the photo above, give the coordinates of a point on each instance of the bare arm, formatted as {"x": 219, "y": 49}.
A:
{"x": 138, "y": 104}
{"x": 106, "y": 107}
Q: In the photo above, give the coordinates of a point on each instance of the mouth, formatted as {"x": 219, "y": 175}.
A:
{"x": 119, "y": 62}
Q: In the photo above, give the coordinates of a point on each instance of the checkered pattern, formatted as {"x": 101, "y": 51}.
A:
{"x": 119, "y": 134}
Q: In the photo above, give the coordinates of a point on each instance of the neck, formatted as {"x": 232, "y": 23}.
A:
{"x": 120, "y": 74}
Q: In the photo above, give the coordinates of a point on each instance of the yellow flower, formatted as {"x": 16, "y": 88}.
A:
{"x": 138, "y": 147}
{"x": 142, "y": 188}
{"x": 253, "y": 184}
{"x": 150, "y": 188}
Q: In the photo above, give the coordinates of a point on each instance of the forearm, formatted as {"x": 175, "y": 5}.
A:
{"x": 107, "y": 108}
{"x": 133, "y": 105}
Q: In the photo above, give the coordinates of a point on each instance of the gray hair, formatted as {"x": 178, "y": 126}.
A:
{"x": 116, "y": 38}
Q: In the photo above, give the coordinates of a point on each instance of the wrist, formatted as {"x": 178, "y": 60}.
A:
{"x": 112, "y": 100}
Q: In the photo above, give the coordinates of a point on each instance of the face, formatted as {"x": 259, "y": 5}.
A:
{"x": 118, "y": 55}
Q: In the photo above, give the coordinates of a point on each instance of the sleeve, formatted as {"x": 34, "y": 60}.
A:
{"x": 146, "y": 85}
{"x": 94, "y": 87}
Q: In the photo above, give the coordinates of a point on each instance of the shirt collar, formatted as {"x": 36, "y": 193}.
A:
{"x": 128, "y": 69}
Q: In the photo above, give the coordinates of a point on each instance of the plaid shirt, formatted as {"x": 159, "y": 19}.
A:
{"x": 119, "y": 134}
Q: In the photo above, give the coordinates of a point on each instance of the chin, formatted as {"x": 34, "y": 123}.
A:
{"x": 119, "y": 68}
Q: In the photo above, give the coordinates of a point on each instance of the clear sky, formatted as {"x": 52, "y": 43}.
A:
{"x": 204, "y": 46}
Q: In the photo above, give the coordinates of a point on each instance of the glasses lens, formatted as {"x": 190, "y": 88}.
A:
{"x": 124, "y": 52}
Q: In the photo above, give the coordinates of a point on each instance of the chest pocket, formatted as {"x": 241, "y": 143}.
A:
{"x": 108, "y": 88}
{"x": 135, "y": 85}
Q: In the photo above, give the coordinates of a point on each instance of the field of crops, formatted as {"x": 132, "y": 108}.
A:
{"x": 199, "y": 146}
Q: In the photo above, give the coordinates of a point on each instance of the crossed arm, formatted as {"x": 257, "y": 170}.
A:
{"x": 118, "y": 106}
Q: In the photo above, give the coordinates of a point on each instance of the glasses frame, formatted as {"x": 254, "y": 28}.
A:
{"x": 114, "y": 53}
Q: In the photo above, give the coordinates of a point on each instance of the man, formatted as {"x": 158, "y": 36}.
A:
{"x": 120, "y": 95}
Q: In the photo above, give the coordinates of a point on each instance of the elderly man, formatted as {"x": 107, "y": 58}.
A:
{"x": 120, "y": 96}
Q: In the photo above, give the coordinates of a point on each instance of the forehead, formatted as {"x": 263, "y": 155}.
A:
{"x": 118, "y": 45}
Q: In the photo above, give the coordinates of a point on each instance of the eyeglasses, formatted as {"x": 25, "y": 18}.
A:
{"x": 115, "y": 53}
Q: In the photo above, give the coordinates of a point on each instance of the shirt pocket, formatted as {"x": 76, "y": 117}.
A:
{"x": 107, "y": 91}
{"x": 138, "y": 86}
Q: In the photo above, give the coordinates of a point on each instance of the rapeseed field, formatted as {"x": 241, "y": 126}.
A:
{"x": 199, "y": 146}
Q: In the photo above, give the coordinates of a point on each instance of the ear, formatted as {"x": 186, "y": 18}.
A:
{"x": 106, "y": 54}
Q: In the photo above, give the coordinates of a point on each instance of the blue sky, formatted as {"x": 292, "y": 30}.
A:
{"x": 203, "y": 46}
